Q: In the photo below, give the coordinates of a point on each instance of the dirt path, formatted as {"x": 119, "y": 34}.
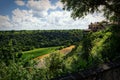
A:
{"x": 67, "y": 50}
{"x": 63, "y": 51}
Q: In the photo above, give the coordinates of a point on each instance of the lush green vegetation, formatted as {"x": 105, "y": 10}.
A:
{"x": 27, "y": 40}
{"x": 38, "y": 52}
{"x": 94, "y": 49}
{"x": 105, "y": 44}
{"x": 54, "y": 66}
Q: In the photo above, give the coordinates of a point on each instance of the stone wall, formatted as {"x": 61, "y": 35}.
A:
{"x": 108, "y": 71}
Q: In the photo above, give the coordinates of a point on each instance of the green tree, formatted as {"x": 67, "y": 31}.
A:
{"x": 11, "y": 47}
{"x": 114, "y": 19}
{"x": 81, "y": 8}
{"x": 86, "y": 46}
{"x": 54, "y": 65}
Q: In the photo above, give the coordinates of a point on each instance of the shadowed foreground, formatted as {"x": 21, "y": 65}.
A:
{"x": 108, "y": 71}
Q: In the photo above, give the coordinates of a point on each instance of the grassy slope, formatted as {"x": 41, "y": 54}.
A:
{"x": 63, "y": 51}
{"x": 38, "y": 52}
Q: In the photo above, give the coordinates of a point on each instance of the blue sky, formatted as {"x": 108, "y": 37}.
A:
{"x": 40, "y": 15}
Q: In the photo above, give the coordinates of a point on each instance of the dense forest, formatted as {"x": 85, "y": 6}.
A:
{"x": 26, "y": 40}
{"x": 18, "y": 41}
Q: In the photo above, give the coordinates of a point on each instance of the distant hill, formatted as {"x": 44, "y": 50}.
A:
{"x": 28, "y": 40}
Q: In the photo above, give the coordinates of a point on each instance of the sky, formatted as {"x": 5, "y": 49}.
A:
{"x": 40, "y": 15}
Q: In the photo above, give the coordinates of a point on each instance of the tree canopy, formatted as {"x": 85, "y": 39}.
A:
{"x": 81, "y": 8}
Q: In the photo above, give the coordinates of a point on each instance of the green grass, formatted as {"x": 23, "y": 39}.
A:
{"x": 38, "y": 52}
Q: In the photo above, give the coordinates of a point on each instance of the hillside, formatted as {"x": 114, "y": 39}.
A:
{"x": 27, "y": 40}
{"x": 62, "y": 51}
{"x": 19, "y": 41}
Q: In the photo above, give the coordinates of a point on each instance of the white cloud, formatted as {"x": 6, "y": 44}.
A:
{"x": 4, "y": 22}
{"x": 63, "y": 20}
{"x": 39, "y": 5}
{"x": 29, "y": 20}
{"x": 96, "y": 17}
{"x": 59, "y": 4}
{"x": 25, "y": 19}
{"x": 59, "y": 18}
{"x": 21, "y": 15}
{"x": 19, "y": 2}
